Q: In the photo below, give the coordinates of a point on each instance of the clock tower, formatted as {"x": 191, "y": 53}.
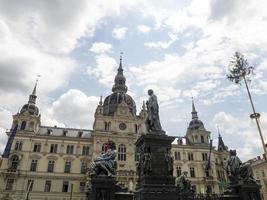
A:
{"x": 116, "y": 120}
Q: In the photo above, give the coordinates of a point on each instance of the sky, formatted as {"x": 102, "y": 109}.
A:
{"x": 180, "y": 49}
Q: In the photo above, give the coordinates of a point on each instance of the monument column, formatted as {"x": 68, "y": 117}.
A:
{"x": 155, "y": 167}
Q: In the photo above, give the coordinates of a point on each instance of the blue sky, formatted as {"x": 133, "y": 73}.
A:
{"x": 179, "y": 49}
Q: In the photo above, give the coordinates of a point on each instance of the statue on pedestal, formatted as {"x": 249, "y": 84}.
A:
{"x": 183, "y": 184}
{"x": 153, "y": 122}
{"x": 238, "y": 171}
{"x": 105, "y": 164}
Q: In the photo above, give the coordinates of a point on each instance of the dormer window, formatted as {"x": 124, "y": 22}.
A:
{"x": 80, "y": 133}
{"x": 65, "y": 132}
{"x": 49, "y": 131}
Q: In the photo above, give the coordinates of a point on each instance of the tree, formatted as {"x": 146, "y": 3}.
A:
{"x": 240, "y": 71}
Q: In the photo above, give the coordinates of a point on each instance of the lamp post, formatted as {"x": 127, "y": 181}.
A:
{"x": 240, "y": 71}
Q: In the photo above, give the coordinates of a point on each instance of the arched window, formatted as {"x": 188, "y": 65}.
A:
{"x": 136, "y": 128}
{"x": 104, "y": 147}
{"x": 122, "y": 152}
{"x": 14, "y": 162}
{"x": 105, "y": 126}
{"x": 202, "y": 139}
{"x": 23, "y": 125}
{"x": 31, "y": 126}
{"x": 109, "y": 126}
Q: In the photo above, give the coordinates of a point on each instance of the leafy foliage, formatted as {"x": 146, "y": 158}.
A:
{"x": 240, "y": 68}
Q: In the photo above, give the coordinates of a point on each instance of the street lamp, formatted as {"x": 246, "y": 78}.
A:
{"x": 240, "y": 71}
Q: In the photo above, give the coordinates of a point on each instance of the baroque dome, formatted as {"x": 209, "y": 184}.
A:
{"x": 119, "y": 95}
{"x": 31, "y": 108}
{"x": 112, "y": 101}
{"x": 196, "y": 124}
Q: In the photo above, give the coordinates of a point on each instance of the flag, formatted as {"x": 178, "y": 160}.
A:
{"x": 9, "y": 142}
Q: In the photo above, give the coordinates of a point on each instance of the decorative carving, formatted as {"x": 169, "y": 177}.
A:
{"x": 122, "y": 126}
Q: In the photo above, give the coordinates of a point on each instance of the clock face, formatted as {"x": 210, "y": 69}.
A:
{"x": 122, "y": 126}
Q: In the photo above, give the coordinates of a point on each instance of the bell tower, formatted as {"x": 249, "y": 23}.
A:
{"x": 196, "y": 132}
{"x": 28, "y": 118}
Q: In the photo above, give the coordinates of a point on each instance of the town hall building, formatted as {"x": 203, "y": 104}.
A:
{"x": 47, "y": 162}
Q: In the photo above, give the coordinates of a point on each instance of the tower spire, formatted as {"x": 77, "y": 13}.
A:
{"x": 101, "y": 101}
{"x": 221, "y": 145}
{"x": 194, "y": 112}
{"x": 33, "y": 96}
{"x": 119, "y": 82}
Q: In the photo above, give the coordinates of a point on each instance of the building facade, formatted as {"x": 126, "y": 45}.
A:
{"x": 51, "y": 162}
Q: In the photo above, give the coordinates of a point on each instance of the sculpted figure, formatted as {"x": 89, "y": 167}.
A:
{"x": 146, "y": 161}
{"x": 183, "y": 183}
{"x": 169, "y": 161}
{"x": 238, "y": 171}
{"x": 105, "y": 164}
{"x": 153, "y": 122}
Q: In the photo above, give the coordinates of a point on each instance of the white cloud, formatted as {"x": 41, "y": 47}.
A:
{"x": 5, "y": 123}
{"x": 143, "y": 28}
{"x": 119, "y": 32}
{"x": 241, "y": 133}
{"x": 74, "y": 109}
{"x": 160, "y": 44}
{"x": 101, "y": 47}
{"x": 104, "y": 70}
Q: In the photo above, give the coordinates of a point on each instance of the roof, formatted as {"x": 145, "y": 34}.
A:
{"x": 66, "y": 132}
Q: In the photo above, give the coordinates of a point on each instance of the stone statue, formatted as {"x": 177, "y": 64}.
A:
{"x": 238, "y": 171}
{"x": 105, "y": 164}
{"x": 183, "y": 184}
{"x": 145, "y": 161}
{"x": 169, "y": 161}
{"x": 153, "y": 122}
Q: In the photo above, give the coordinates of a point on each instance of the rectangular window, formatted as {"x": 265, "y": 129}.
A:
{"x": 65, "y": 187}
{"x": 190, "y": 156}
{"x": 51, "y": 165}
{"x": 67, "y": 167}
{"x": 82, "y": 187}
{"x": 47, "y": 186}
{"x": 85, "y": 151}
{"x": 69, "y": 149}
{"x": 178, "y": 171}
{"x": 33, "y": 166}
{"x": 30, "y": 185}
{"x": 83, "y": 167}
{"x": 9, "y": 184}
{"x": 192, "y": 172}
{"x": 177, "y": 155}
{"x": 37, "y": 147}
{"x": 204, "y": 156}
{"x": 18, "y": 146}
{"x": 53, "y": 148}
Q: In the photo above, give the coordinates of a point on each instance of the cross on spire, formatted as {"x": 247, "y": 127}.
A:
{"x": 194, "y": 112}
{"x": 120, "y": 80}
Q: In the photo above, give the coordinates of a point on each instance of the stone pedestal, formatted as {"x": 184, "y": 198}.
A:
{"x": 156, "y": 179}
{"x": 244, "y": 191}
{"x": 103, "y": 188}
